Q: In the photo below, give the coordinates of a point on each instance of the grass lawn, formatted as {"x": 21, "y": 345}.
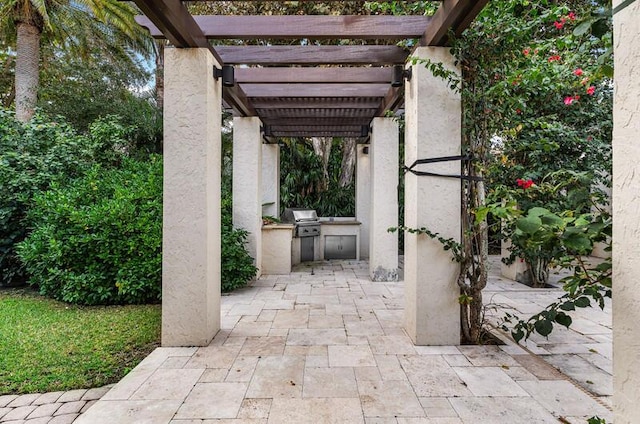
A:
{"x": 47, "y": 345}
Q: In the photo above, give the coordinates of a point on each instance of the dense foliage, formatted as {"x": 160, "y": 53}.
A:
{"x": 86, "y": 211}
{"x": 302, "y": 184}
{"x": 537, "y": 97}
{"x": 33, "y": 156}
{"x": 82, "y": 91}
{"x": 237, "y": 265}
{"x": 98, "y": 239}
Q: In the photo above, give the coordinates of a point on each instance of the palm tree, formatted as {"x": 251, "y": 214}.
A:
{"x": 77, "y": 25}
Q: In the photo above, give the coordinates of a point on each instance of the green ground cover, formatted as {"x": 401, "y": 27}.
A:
{"x": 46, "y": 345}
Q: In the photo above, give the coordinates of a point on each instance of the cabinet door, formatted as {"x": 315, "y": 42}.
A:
{"x": 340, "y": 247}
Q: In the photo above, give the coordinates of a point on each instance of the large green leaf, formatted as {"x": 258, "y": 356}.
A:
{"x": 529, "y": 224}
{"x": 544, "y": 327}
{"x": 552, "y": 219}
{"x": 578, "y": 242}
{"x": 537, "y": 211}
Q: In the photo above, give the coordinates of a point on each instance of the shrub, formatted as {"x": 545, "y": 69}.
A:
{"x": 33, "y": 156}
{"x": 98, "y": 240}
{"x": 237, "y": 264}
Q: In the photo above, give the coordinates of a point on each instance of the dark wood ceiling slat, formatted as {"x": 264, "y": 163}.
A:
{"x": 316, "y": 121}
{"x": 309, "y": 113}
{"x": 273, "y": 103}
{"x": 307, "y": 75}
{"x": 315, "y": 90}
{"x": 312, "y": 55}
{"x": 317, "y": 27}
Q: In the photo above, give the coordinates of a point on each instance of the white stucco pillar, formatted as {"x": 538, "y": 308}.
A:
{"x": 271, "y": 180}
{"x": 383, "y": 161}
{"x": 191, "y": 199}
{"x": 247, "y": 183}
{"x": 626, "y": 215}
{"x": 433, "y": 129}
{"x": 363, "y": 197}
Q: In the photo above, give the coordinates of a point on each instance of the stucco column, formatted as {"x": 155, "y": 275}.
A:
{"x": 433, "y": 129}
{"x": 191, "y": 199}
{"x": 363, "y": 197}
{"x": 247, "y": 183}
{"x": 271, "y": 180}
{"x": 626, "y": 211}
{"x": 383, "y": 157}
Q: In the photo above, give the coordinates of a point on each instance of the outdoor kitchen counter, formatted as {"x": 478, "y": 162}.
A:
{"x": 328, "y": 221}
{"x": 276, "y": 248}
{"x": 340, "y": 238}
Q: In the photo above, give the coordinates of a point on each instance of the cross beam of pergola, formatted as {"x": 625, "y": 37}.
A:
{"x": 309, "y": 90}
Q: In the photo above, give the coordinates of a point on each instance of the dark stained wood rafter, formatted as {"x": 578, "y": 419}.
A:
{"x": 313, "y": 55}
{"x": 317, "y": 113}
{"x": 309, "y": 90}
{"x": 317, "y": 27}
{"x": 309, "y": 75}
{"x": 175, "y": 22}
{"x": 453, "y": 15}
{"x": 301, "y": 103}
{"x": 315, "y": 90}
{"x": 392, "y": 101}
{"x": 316, "y": 121}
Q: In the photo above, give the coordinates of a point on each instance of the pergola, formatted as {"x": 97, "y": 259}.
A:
{"x": 310, "y": 90}
{"x": 306, "y": 90}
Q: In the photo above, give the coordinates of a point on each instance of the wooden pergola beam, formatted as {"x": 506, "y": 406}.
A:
{"x": 315, "y": 90}
{"x": 314, "y": 75}
{"x": 455, "y": 15}
{"x": 316, "y": 121}
{"x": 317, "y": 133}
{"x": 174, "y": 22}
{"x": 312, "y": 55}
{"x": 319, "y": 27}
{"x": 392, "y": 100}
{"x": 315, "y": 103}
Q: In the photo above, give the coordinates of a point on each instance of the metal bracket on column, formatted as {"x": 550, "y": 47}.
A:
{"x": 464, "y": 158}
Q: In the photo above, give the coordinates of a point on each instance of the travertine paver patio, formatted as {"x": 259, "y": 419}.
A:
{"x": 328, "y": 347}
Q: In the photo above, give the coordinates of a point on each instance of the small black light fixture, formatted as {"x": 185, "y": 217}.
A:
{"x": 227, "y": 74}
{"x": 266, "y": 130}
{"x": 399, "y": 75}
{"x": 365, "y": 150}
{"x": 364, "y": 131}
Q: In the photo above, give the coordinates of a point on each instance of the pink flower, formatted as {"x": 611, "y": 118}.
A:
{"x": 578, "y": 72}
{"x": 572, "y": 16}
{"x": 554, "y": 58}
{"x": 591, "y": 90}
{"x": 526, "y": 52}
{"x": 570, "y": 99}
{"x": 558, "y": 25}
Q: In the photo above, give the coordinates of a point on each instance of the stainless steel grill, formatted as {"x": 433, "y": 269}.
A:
{"x": 305, "y": 221}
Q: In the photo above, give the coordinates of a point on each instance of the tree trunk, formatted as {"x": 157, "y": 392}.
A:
{"x": 348, "y": 162}
{"x": 160, "y": 44}
{"x": 27, "y": 69}
{"x": 322, "y": 148}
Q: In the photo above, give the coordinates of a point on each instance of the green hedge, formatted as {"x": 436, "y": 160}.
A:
{"x": 33, "y": 156}
{"x": 98, "y": 240}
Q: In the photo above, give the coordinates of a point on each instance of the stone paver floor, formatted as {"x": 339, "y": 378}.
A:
{"x": 328, "y": 347}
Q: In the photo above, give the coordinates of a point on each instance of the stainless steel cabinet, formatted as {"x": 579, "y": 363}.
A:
{"x": 340, "y": 247}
